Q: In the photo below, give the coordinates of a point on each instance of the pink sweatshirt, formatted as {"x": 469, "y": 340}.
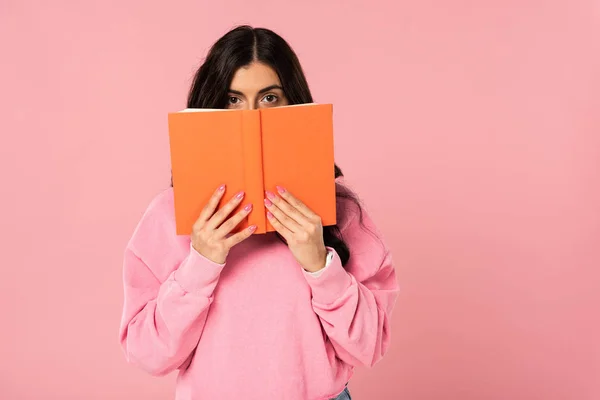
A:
{"x": 259, "y": 327}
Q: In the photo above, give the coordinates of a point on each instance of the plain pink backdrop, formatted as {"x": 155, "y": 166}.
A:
{"x": 471, "y": 130}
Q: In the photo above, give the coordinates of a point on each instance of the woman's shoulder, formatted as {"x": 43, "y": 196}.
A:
{"x": 157, "y": 224}
{"x": 353, "y": 217}
{"x": 368, "y": 248}
{"x": 160, "y": 209}
{"x": 162, "y": 202}
{"x": 349, "y": 207}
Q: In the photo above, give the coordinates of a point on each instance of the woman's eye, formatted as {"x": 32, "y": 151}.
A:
{"x": 233, "y": 100}
{"x": 270, "y": 98}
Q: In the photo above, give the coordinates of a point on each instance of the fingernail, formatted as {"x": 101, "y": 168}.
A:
{"x": 270, "y": 195}
{"x": 221, "y": 188}
{"x": 248, "y": 207}
{"x": 240, "y": 195}
{"x": 280, "y": 189}
{"x": 252, "y": 228}
{"x": 269, "y": 215}
{"x": 268, "y": 203}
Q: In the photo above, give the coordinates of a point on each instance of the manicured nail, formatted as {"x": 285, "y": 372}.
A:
{"x": 240, "y": 195}
{"x": 221, "y": 188}
{"x": 270, "y": 195}
{"x": 268, "y": 203}
{"x": 248, "y": 207}
{"x": 269, "y": 215}
{"x": 252, "y": 228}
{"x": 280, "y": 189}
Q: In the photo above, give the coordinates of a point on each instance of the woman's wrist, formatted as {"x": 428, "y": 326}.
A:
{"x": 320, "y": 264}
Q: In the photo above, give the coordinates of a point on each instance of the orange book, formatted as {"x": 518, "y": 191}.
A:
{"x": 253, "y": 151}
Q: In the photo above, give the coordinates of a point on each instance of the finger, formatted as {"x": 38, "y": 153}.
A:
{"x": 297, "y": 204}
{"x": 220, "y": 216}
{"x": 240, "y": 236}
{"x": 211, "y": 206}
{"x": 279, "y": 227}
{"x": 284, "y": 219}
{"x": 232, "y": 222}
{"x": 288, "y": 210}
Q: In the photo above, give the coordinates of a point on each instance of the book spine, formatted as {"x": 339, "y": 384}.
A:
{"x": 253, "y": 168}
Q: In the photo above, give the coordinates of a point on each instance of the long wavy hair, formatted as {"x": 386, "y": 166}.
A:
{"x": 239, "y": 48}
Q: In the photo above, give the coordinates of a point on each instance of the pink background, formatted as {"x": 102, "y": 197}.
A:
{"x": 471, "y": 130}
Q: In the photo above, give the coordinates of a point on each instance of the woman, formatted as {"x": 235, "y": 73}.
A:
{"x": 286, "y": 315}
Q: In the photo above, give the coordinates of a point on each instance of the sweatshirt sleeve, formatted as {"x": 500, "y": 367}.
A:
{"x": 165, "y": 301}
{"x": 354, "y": 303}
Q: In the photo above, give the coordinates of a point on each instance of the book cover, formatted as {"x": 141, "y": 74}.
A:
{"x": 253, "y": 151}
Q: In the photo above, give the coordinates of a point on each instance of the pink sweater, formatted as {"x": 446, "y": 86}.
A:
{"x": 259, "y": 327}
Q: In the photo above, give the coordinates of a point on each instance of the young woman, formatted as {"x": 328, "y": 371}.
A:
{"x": 286, "y": 315}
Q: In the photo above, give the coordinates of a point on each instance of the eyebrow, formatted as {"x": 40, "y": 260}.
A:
{"x": 261, "y": 91}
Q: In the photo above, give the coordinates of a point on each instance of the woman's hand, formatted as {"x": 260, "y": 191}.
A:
{"x": 300, "y": 227}
{"x": 210, "y": 233}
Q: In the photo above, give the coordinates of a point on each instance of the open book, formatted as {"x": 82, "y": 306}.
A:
{"x": 253, "y": 151}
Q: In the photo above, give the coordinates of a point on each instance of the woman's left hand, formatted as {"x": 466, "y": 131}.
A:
{"x": 299, "y": 226}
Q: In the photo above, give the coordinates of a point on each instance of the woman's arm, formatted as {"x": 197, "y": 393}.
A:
{"x": 355, "y": 303}
{"x": 168, "y": 289}
{"x": 162, "y": 321}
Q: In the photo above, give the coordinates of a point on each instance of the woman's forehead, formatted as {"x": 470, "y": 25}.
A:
{"x": 253, "y": 78}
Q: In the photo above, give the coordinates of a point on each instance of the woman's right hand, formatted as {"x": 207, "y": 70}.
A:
{"x": 210, "y": 233}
